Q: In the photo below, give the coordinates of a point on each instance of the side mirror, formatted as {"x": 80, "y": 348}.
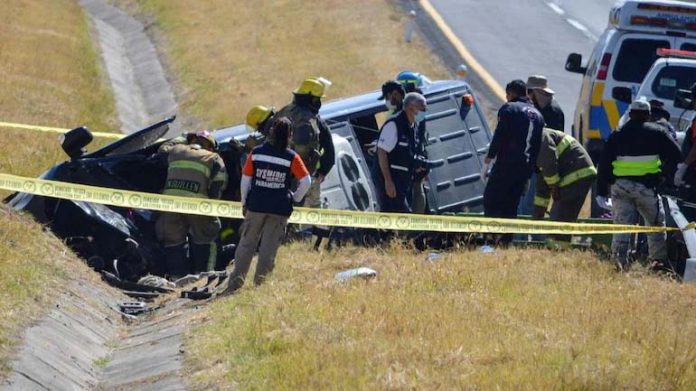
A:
{"x": 574, "y": 63}
{"x": 682, "y": 99}
{"x": 74, "y": 141}
{"x": 622, "y": 94}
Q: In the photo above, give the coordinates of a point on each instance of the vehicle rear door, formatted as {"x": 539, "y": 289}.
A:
{"x": 458, "y": 140}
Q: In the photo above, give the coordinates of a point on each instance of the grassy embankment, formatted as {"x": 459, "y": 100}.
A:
{"x": 49, "y": 75}
{"x": 511, "y": 320}
{"x": 516, "y": 319}
{"x": 230, "y": 56}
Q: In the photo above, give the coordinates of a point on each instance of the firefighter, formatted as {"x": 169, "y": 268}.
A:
{"x": 634, "y": 160}
{"x": 258, "y": 120}
{"x": 311, "y": 137}
{"x": 194, "y": 170}
{"x": 566, "y": 175}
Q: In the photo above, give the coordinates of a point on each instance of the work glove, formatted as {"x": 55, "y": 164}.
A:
{"x": 679, "y": 174}
{"x": 484, "y": 172}
{"x": 603, "y": 202}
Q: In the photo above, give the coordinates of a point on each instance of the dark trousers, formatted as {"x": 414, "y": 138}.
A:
{"x": 399, "y": 204}
{"x": 502, "y": 195}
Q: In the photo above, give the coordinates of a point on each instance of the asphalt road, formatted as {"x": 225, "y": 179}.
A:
{"x": 513, "y": 39}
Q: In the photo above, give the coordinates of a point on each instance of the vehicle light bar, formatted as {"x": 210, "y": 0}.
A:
{"x": 646, "y": 21}
{"x": 666, "y": 8}
{"x": 662, "y": 52}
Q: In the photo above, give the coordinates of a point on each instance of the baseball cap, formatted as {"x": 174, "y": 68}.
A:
{"x": 389, "y": 86}
{"x": 640, "y": 104}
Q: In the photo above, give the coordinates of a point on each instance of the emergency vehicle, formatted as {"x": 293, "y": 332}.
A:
{"x": 621, "y": 59}
{"x": 673, "y": 72}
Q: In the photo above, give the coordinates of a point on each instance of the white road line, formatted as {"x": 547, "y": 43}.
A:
{"x": 582, "y": 28}
{"x": 556, "y": 8}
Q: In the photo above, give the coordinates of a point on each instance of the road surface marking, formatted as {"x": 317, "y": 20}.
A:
{"x": 469, "y": 59}
{"x": 556, "y": 8}
{"x": 582, "y": 28}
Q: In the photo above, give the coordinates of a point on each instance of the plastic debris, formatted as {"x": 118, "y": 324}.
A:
{"x": 432, "y": 257}
{"x": 690, "y": 271}
{"x": 362, "y": 272}
{"x": 133, "y": 307}
{"x": 156, "y": 281}
{"x": 187, "y": 279}
{"x": 486, "y": 249}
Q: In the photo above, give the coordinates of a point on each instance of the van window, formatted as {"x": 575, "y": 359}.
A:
{"x": 689, "y": 46}
{"x": 671, "y": 78}
{"x": 636, "y": 56}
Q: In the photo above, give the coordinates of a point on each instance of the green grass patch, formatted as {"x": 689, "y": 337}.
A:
{"x": 529, "y": 319}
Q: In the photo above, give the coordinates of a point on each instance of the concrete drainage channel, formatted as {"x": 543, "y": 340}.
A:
{"x": 142, "y": 93}
{"x": 85, "y": 342}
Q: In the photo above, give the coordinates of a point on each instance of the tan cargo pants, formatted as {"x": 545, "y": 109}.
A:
{"x": 172, "y": 228}
{"x": 270, "y": 230}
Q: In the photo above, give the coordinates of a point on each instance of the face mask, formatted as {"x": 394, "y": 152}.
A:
{"x": 420, "y": 117}
{"x": 391, "y": 107}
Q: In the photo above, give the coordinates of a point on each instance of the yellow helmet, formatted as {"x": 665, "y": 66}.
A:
{"x": 257, "y": 116}
{"x": 313, "y": 86}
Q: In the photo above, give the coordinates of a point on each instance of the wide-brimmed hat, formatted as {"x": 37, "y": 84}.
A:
{"x": 539, "y": 82}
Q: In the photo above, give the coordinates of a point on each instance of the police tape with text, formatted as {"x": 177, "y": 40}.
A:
{"x": 326, "y": 217}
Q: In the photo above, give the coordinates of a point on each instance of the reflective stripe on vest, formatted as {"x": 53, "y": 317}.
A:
{"x": 190, "y": 165}
{"x": 541, "y": 201}
{"x": 552, "y": 180}
{"x": 576, "y": 175}
{"x": 563, "y": 145}
{"x": 636, "y": 165}
{"x": 271, "y": 159}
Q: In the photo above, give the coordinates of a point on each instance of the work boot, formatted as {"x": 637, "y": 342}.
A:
{"x": 203, "y": 257}
{"x": 175, "y": 259}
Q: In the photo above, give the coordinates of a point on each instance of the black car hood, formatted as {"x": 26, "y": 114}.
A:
{"x": 134, "y": 141}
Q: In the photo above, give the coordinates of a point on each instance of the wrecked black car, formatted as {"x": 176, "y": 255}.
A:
{"x": 122, "y": 240}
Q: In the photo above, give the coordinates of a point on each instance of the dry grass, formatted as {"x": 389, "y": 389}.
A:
{"x": 34, "y": 264}
{"x": 49, "y": 75}
{"x": 511, "y": 320}
{"x": 231, "y": 55}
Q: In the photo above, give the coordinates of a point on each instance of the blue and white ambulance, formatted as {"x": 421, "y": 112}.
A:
{"x": 622, "y": 57}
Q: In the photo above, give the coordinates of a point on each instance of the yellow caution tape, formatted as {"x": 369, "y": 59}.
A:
{"x": 58, "y": 130}
{"x": 326, "y": 217}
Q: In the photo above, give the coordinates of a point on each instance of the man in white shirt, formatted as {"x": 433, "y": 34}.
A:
{"x": 395, "y": 154}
